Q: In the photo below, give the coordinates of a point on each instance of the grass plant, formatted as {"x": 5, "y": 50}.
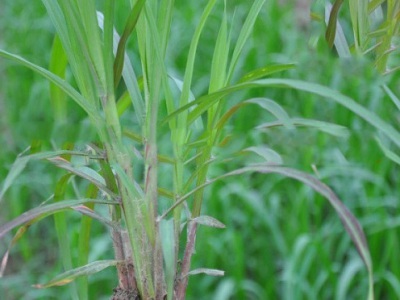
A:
{"x": 154, "y": 124}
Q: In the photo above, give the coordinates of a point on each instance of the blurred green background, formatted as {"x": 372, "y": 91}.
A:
{"x": 282, "y": 241}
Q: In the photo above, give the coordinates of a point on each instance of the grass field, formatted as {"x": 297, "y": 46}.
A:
{"x": 282, "y": 240}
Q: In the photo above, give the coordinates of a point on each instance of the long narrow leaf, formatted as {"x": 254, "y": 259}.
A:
{"x": 350, "y": 223}
{"x": 333, "y": 20}
{"x": 329, "y": 128}
{"x": 62, "y": 84}
{"x": 21, "y": 162}
{"x": 58, "y": 65}
{"x": 327, "y": 93}
{"x": 244, "y": 35}
{"x": 60, "y": 223}
{"x": 129, "y": 27}
{"x": 71, "y": 275}
{"x": 41, "y": 212}
{"x": 84, "y": 172}
{"x": 129, "y": 76}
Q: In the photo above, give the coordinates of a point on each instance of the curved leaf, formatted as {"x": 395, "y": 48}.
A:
{"x": 41, "y": 212}
{"x": 59, "y": 82}
{"x": 84, "y": 172}
{"x": 21, "y": 162}
{"x": 330, "y": 128}
{"x": 266, "y": 153}
{"x": 350, "y": 223}
{"x": 86, "y": 270}
{"x": 206, "y": 101}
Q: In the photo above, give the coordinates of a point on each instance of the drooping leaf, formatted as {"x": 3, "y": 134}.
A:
{"x": 84, "y": 172}
{"x": 85, "y": 210}
{"x": 71, "y": 275}
{"x": 266, "y": 153}
{"x": 392, "y": 96}
{"x": 21, "y": 162}
{"x": 41, "y": 212}
{"x": 333, "y": 129}
{"x": 87, "y": 106}
{"x": 269, "y": 105}
{"x": 386, "y": 150}
{"x": 350, "y": 223}
{"x": 325, "y": 92}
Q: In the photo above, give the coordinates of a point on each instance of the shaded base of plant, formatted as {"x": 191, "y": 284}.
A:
{"x": 121, "y": 294}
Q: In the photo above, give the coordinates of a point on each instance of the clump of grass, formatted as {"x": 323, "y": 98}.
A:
{"x": 154, "y": 245}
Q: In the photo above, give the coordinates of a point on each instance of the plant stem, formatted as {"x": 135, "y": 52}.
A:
{"x": 184, "y": 278}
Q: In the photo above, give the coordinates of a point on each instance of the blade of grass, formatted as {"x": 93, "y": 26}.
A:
{"x": 206, "y": 101}
{"x": 350, "y": 223}
{"x": 62, "y": 231}
{"x": 63, "y": 85}
{"x": 84, "y": 172}
{"x": 58, "y": 65}
{"x": 21, "y": 162}
{"x": 129, "y": 76}
{"x": 333, "y": 20}
{"x": 339, "y": 39}
{"x": 70, "y": 28}
{"x": 244, "y": 35}
{"x": 326, "y": 127}
{"x": 265, "y": 71}
{"x": 71, "y": 275}
{"x": 84, "y": 244}
{"x": 129, "y": 27}
{"x": 41, "y": 212}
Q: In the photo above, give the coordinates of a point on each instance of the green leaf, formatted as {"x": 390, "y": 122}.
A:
{"x": 21, "y": 162}
{"x": 333, "y": 20}
{"x": 339, "y": 39}
{"x": 168, "y": 249}
{"x": 210, "y": 272}
{"x": 265, "y": 103}
{"x": 84, "y": 243}
{"x": 333, "y": 129}
{"x": 350, "y": 223}
{"x": 327, "y": 93}
{"x": 265, "y": 71}
{"x": 71, "y": 275}
{"x": 274, "y": 108}
{"x": 386, "y": 150}
{"x": 392, "y": 96}
{"x": 85, "y": 210}
{"x": 266, "y": 153}
{"x": 130, "y": 79}
{"x": 38, "y": 213}
{"x": 244, "y": 34}
{"x": 62, "y": 84}
{"x": 58, "y": 65}
{"x": 208, "y": 221}
{"x": 129, "y": 27}
{"x": 84, "y": 172}
{"x": 60, "y": 223}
